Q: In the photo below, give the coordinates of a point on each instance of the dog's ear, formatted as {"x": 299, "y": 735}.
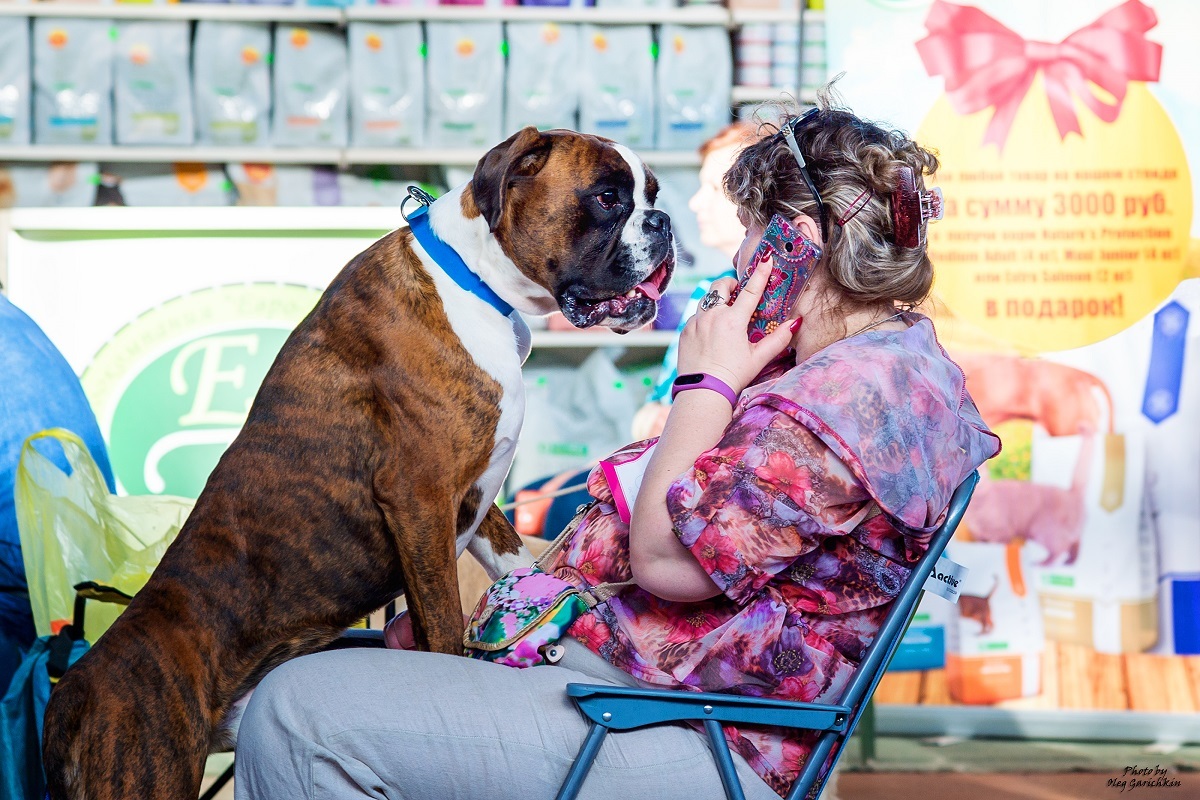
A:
{"x": 521, "y": 155}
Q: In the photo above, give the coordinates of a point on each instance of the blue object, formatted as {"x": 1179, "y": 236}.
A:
{"x": 1185, "y": 599}
{"x": 923, "y": 647}
{"x": 562, "y": 508}
{"x": 38, "y": 390}
{"x": 619, "y": 708}
{"x": 23, "y": 710}
{"x": 451, "y": 262}
{"x": 1165, "y": 374}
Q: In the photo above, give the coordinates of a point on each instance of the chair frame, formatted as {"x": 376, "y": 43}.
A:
{"x": 620, "y": 708}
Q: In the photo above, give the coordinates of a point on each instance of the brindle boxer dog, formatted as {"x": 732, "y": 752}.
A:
{"x": 368, "y": 463}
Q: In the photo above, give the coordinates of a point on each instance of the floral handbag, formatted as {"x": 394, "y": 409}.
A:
{"x": 521, "y": 616}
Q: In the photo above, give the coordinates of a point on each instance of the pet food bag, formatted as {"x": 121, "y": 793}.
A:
{"x": 63, "y": 185}
{"x": 575, "y": 416}
{"x": 466, "y": 84}
{"x": 543, "y": 76}
{"x": 173, "y": 185}
{"x": 923, "y": 645}
{"x": 372, "y": 187}
{"x": 387, "y": 84}
{"x": 616, "y": 100}
{"x": 1096, "y": 568}
{"x": 232, "y": 82}
{"x": 14, "y": 81}
{"x": 285, "y": 185}
{"x": 72, "y": 81}
{"x": 695, "y": 77}
{"x": 312, "y": 81}
{"x": 994, "y": 638}
{"x": 153, "y": 84}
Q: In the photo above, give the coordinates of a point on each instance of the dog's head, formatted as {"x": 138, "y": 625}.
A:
{"x": 575, "y": 214}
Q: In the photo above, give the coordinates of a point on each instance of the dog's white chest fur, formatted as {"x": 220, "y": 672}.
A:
{"x": 499, "y": 346}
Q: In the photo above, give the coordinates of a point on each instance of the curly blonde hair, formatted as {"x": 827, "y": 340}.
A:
{"x": 845, "y": 156}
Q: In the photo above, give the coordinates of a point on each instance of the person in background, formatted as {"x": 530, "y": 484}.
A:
{"x": 720, "y": 229}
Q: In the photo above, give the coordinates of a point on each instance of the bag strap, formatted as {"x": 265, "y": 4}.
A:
{"x": 601, "y": 592}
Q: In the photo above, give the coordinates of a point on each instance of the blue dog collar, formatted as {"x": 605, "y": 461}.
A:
{"x": 451, "y": 262}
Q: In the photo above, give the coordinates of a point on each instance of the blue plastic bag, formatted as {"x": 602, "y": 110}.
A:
{"x": 38, "y": 390}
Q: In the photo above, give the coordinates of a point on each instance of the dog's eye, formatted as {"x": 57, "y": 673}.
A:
{"x": 608, "y": 199}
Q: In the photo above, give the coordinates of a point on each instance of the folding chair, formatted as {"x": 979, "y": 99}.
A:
{"x": 620, "y": 708}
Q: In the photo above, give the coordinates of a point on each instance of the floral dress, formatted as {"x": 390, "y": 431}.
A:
{"x": 809, "y": 515}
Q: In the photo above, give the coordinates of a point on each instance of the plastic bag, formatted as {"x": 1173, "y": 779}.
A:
{"x": 73, "y": 530}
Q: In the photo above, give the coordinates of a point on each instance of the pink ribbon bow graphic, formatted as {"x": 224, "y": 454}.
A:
{"x": 987, "y": 65}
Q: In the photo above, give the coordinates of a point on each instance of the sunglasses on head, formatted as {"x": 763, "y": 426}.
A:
{"x": 789, "y": 134}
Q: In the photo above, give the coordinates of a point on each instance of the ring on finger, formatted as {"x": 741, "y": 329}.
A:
{"x": 711, "y": 299}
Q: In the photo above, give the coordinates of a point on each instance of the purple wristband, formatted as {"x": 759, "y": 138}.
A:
{"x": 702, "y": 380}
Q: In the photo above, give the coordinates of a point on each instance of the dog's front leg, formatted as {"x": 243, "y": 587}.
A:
{"x": 423, "y": 530}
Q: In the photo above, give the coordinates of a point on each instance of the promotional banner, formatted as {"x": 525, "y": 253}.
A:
{"x": 1067, "y": 287}
{"x": 172, "y": 329}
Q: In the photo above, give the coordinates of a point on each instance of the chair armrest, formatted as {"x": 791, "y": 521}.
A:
{"x": 621, "y": 708}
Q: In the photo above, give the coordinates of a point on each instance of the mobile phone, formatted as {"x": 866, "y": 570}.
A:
{"x": 790, "y": 256}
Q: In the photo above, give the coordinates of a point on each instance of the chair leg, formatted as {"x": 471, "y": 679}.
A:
{"x": 583, "y": 762}
{"x": 866, "y": 739}
{"x": 219, "y": 784}
{"x": 729, "y": 778}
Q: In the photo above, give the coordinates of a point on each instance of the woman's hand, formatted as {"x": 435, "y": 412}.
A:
{"x": 715, "y": 341}
{"x": 398, "y": 632}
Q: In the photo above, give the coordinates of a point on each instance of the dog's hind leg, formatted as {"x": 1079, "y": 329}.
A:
{"x": 497, "y": 546}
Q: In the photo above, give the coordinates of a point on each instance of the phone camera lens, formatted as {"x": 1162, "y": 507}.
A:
{"x": 788, "y": 246}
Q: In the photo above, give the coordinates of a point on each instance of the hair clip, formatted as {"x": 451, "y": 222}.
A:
{"x": 856, "y": 205}
{"x": 912, "y": 209}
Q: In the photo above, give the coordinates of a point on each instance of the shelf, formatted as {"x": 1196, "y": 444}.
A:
{"x": 692, "y": 15}
{"x": 768, "y": 94}
{"x": 189, "y": 154}
{"x": 436, "y": 156}
{"x": 588, "y": 339}
{"x": 214, "y": 221}
{"x": 177, "y": 11}
{"x": 698, "y": 15}
{"x": 750, "y": 16}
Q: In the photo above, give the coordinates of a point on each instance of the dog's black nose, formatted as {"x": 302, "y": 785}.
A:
{"x": 658, "y": 222}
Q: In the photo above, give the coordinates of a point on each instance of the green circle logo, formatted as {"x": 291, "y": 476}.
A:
{"x": 172, "y": 388}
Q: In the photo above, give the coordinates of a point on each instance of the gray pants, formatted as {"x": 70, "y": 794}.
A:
{"x": 419, "y": 726}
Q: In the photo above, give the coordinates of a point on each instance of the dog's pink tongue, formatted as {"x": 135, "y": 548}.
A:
{"x": 649, "y": 288}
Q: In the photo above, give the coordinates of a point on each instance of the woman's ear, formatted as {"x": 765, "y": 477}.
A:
{"x": 809, "y": 228}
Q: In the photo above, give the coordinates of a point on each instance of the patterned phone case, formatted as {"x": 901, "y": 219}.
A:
{"x": 791, "y": 256}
